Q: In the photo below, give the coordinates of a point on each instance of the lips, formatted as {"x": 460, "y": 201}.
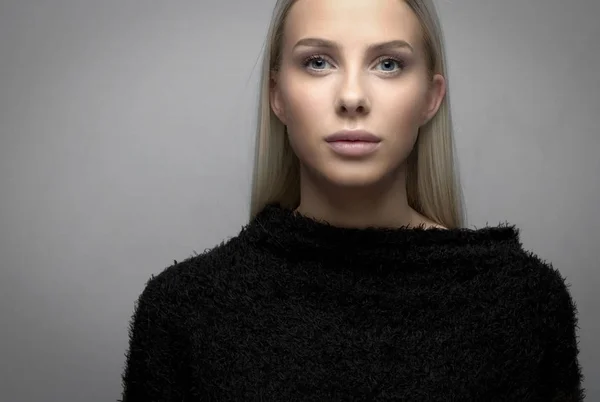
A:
{"x": 353, "y": 144}
{"x": 353, "y": 136}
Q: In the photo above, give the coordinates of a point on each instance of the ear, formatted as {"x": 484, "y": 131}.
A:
{"x": 276, "y": 98}
{"x": 435, "y": 96}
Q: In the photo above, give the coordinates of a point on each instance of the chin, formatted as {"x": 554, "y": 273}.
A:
{"x": 354, "y": 177}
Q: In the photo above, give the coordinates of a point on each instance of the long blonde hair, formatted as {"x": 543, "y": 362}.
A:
{"x": 432, "y": 184}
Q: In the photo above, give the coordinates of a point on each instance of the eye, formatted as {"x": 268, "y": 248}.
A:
{"x": 316, "y": 63}
{"x": 390, "y": 64}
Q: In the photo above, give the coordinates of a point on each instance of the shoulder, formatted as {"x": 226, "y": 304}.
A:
{"x": 546, "y": 280}
{"x": 538, "y": 291}
{"x": 181, "y": 283}
{"x": 552, "y": 289}
{"x": 513, "y": 271}
{"x": 515, "y": 265}
{"x": 556, "y": 319}
{"x": 164, "y": 317}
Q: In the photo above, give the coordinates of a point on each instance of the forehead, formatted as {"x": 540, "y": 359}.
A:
{"x": 352, "y": 21}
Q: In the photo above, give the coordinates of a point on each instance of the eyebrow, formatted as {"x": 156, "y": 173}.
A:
{"x": 327, "y": 44}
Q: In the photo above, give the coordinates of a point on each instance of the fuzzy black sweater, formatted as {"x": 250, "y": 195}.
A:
{"x": 293, "y": 309}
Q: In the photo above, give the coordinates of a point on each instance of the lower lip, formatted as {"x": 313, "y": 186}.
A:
{"x": 353, "y": 148}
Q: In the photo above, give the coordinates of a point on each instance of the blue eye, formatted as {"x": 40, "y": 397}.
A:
{"x": 316, "y": 63}
{"x": 385, "y": 64}
{"x": 390, "y": 65}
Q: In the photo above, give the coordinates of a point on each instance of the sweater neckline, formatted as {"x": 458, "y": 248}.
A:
{"x": 299, "y": 237}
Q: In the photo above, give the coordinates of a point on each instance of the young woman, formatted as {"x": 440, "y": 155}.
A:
{"x": 355, "y": 278}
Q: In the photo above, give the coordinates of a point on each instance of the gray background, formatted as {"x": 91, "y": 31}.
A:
{"x": 126, "y": 132}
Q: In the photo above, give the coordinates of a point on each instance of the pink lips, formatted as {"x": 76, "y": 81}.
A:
{"x": 353, "y": 143}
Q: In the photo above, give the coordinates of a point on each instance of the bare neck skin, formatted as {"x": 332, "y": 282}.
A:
{"x": 383, "y": 205}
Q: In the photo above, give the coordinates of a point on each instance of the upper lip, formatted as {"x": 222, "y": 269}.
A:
{"x": 353, "y": 135}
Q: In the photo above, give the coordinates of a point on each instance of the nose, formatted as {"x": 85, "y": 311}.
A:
{"x": 352, "y": 100}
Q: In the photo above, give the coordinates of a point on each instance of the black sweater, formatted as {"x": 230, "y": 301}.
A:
{"x": 293, "y": 309}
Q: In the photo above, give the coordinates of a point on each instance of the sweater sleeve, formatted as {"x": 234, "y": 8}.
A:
{"x": 155, "y": 361}
{"x": 561, "y": 368}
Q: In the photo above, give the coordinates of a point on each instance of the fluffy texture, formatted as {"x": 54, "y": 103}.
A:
{"x": 294, "y": 309}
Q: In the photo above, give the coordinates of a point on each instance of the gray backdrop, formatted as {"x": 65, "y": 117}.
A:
{"x": 126, "y": 130}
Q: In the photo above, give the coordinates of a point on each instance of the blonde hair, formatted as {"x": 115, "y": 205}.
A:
{"x": 432, "y": 184}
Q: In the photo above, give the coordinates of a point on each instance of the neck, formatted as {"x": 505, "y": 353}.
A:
{"x": 379, "y": 205}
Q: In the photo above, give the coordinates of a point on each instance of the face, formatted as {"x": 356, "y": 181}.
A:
{"x": 356, "y": 67}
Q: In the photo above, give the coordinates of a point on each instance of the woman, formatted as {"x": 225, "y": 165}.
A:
{"x": 354, "y": 278}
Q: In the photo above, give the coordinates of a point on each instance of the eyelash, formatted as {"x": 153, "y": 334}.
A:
{"x": 401, "y": 63}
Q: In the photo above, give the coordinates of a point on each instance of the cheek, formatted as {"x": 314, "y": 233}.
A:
{"x": 403, "y": 107}
{"x": 304, "y": 103}
{"x": 400, "y": 115}
{"x": 304, "y": 113}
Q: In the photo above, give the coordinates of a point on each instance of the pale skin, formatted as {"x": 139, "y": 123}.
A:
{"x": 342, "y": 82}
